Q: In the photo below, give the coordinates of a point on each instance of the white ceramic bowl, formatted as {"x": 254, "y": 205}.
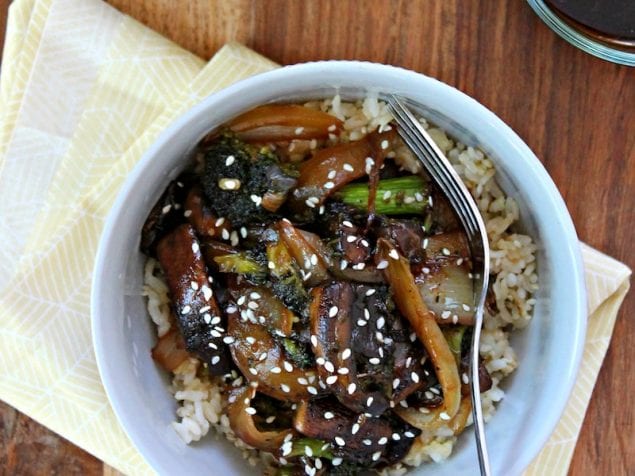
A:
{"x": 549, "y": 349}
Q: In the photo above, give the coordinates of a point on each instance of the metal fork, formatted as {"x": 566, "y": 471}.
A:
{"x": 442, "y": 172}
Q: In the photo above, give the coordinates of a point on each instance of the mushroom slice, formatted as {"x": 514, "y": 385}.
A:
{"x": 331, "y": 329}
{"x": 356, "y": 437}
{"x": 198, "y": 315}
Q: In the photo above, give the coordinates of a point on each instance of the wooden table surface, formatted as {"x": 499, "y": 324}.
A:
{"x": 575, "y": 111}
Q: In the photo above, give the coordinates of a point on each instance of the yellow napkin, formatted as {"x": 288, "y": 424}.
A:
{"x": 84, "y": 91}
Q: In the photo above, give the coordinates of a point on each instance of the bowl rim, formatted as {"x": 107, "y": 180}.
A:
{"x": 573, "y": 256}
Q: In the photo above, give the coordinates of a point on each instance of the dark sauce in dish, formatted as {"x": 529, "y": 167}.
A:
{"x": 608, "y": 21}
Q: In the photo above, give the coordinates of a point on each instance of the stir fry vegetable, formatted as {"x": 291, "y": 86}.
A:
{"x": 329, "y": 298}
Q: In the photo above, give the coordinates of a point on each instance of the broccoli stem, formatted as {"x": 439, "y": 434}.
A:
{"x": 395, "y": 196}
{"x": 240, "y": 263}
{"x": 319, "y": 448}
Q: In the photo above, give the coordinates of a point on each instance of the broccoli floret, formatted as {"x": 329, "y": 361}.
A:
{"x": 237, "y": 177}
{"x": 285, "y": 280}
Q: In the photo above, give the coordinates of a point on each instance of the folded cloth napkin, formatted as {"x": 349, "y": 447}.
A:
{"x": 84, "y": 91}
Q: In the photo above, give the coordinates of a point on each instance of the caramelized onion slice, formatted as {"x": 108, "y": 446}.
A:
{"x": 305, "y": 255}
{"x": 284, "y": 122}
{"x": 243, "y": 425}
{"x": 169, "y": 351}
{"x": 411, "y": 305}
{"x": 261, "y": 359}
{"x": 434, "y": 418}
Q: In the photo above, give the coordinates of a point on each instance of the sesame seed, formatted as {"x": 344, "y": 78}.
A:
{"x": 393, "y": 254}
{"x": 250, "y": 410}
{"x": 374, "y": 360}
{"x": 286, "y": 448}
{"x": 185, "y": 309}
{"x": 380, "y": 322}
{"x": 464, "y": 378}
{"x": 387, "y": 194}
{"x": 340, "y": 441}
{"x": 224, "y": 234}
{"x": 271, "y": 265}
{"x": 384, "y": 144}
{"x": 333, "y": 311}
{"x": 351, "y": 238}
{"x": 229, "y": 160}
{"x": 445, "y": 251}
{"x": 331, "y": 174}
{"x": 425, "y": 243}
{"x": 383, "y": 264}
{"x": 348, "y": 167}
{"x": 243, "y": 232}
{"x": 418, "y": 197}
{"x": 320, "y": 361}
{"x": 253, "y": 305}
{"x": 370, "y": 292}
{"x": 359, "y": 266}
{"x": 211, "y": 345}
{"x": 207, "y": 292}
{"x": 331, "y": 379}
{"x": 396, "y": 437}
{"x": 299, "y": 130}
{"x": 228, "y": 340}
{"x": 361, "y": 322}
{"x": 314, "y": 259}
{"x": 166, "y": 209}
{"x": 253, "y": 371}
{"x": 285, "y": 388}
{"x": 369, "y": 165}
{"x": 336, "y": 461}
{"x": 270, "y": 419}
{"x": 302, "y": 381}
{"x": 329, "y": 185}
{"x": 215, "y": 320}
{"x": 445, "y": 314}
{"x": 409, "y": 434}
{"x": 366, "y": 314}
{"x": 287, "y": 366}
{"x": 367, "y": 442}
{"x": 195, "y": 247}
{"x": 459, "y": 261}
{"x": 241, "y": 300}
{"x": 347, "y": 224}
{"x": 194, "y": 285}
{"x": 444, "y": 416}
{"x": 364, "y": 243}
{"x": 207, "y": 318}
{"x": 312, "y": 390}
{"x": 346, "y": 353}
{"x": 309, "y": 203}
{"x": 369, "y": 401}
{"x": 415, "y": 377}
{"x": 408, "y": 200}
{"x": 276, "y": 370}
{"x": 187, "y": 213}
{"x": 215, "y": 333}
{"x": 314, "y": 341}
{"x": 329, "y": 415}
{"x": 262, "y": 357}
{"x": 219, "y": 222}
{"x": 425, "y": 270}
{"x": 256, "y": 199}
{"x": 430, "y": 202}
{"x": 329, "y": 367}
{"x": 382, "y": 441}
{"x": 342, "y": 371}
{"x": 351, "y": 388}
{"x": 229, "y": 184}
{"x": 251, "y": 340}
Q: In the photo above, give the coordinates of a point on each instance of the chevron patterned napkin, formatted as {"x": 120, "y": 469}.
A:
{"x": 84, "y": 91}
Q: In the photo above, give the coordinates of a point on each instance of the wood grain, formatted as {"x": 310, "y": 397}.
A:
{"x": 575, "y": 111}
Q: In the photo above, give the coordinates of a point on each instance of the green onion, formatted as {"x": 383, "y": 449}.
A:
{"x": 395, "y": 196}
